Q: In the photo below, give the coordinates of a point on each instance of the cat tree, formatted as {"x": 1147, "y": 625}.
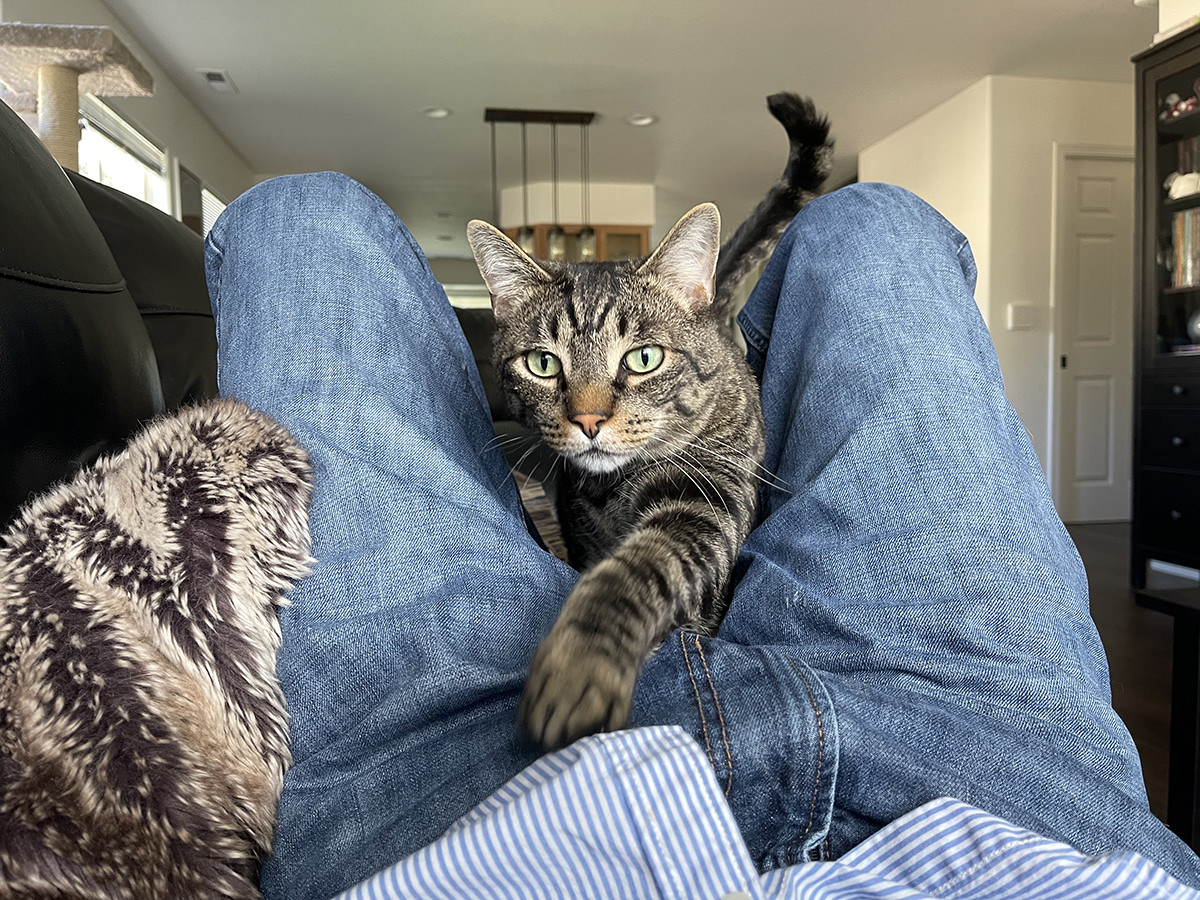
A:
{"x": 45, "y": 67}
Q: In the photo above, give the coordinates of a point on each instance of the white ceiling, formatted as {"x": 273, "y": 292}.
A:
{"x": 326, "y": 85}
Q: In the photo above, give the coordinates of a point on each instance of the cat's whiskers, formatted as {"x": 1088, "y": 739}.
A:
{"x": 679, "y": 461}
{"x": 772, "y": 480}
{"x": 504, "y": 441}
{"x": 554, "y": 461}
{"x": 533, "y": 440}
{"x": 699, "y": 470}
{"x": 732, "y": 461}
{"x": 513, "y": 468}
{"x": 677, "y": 456}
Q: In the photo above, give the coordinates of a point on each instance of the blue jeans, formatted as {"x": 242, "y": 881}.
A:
{"x": 911, "y": 619}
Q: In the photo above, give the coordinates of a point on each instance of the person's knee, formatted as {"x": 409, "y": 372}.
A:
{"x": 306, "y": 184}
{"x": 873, "y": 221}
{"x": 317, "y": 228}
{"x": 316, "y": 197}
{"x": 870, "y": 208}
{"x": 296, "y": 219}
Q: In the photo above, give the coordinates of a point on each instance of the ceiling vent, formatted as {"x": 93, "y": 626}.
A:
{"x": 218, "y": 80}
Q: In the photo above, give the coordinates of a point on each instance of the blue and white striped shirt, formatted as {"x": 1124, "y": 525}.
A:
{"x": 639, "y": 814}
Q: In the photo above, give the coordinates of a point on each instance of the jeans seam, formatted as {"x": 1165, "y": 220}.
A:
{"x": 699, "y": 703}
{"x": 812, "y": 808}
{"x": 720, "y": 717}
{"x": 754, "y": 337}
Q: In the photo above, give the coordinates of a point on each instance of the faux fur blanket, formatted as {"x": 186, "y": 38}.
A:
{"x": 143, "y": 736}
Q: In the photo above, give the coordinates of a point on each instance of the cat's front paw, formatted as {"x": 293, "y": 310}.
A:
{"x": 573, "y": 691}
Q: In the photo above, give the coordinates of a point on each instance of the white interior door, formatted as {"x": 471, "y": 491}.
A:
{"x": 1094, "y": 336}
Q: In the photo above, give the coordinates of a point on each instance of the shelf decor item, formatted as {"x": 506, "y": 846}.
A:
{"x": 1185, "y": 248}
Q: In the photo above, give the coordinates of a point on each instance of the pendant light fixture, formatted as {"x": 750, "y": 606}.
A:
{"x": 587, "y": 234}
{"x": 525, "y": 238}
{"x": 556, "y": 238}
{"x": 495, "y": 180}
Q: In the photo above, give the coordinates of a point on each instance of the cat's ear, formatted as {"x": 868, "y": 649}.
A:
{"x": 686, "y": 260}
{"x": 507, "y": 271}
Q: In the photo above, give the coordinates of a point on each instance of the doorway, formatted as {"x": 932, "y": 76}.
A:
{"x": 1092, "y": 362}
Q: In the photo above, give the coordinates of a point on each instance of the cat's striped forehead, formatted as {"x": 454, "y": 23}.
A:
{"x": 595, "y": 302}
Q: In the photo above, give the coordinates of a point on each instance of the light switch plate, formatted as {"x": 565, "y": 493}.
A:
{"x": 1021, "y": 316}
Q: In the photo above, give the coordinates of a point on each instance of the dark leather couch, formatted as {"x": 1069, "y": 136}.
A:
{"x": 105, "y": 320}
{"x": 80, "y": 368}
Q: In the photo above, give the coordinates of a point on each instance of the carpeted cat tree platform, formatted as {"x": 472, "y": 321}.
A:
{"x": 45, "y": 67}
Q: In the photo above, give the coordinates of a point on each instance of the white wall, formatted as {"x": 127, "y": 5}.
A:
{"x": 1030, "y": 116}
{"x": 1172, "y": 13}
{"x": 944, "y": 157}
{"x": 168, "y": 117}
{"x": 985, "y": 159}
{"x": 609, "y": 203}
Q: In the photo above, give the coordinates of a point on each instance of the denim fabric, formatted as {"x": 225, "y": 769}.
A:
{"x": 911, "y": 618}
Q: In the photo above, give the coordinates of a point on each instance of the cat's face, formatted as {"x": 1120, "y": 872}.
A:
{"x": 604, "y": 382}
{"x": 610, "y": 362}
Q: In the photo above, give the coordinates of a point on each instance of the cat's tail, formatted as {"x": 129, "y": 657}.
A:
{"x": 810, "y": 156}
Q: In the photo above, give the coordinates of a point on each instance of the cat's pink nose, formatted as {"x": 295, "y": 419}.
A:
{"x": 589, "y": 423}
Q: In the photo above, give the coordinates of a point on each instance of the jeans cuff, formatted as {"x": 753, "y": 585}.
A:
{"x": 768, "y": 729}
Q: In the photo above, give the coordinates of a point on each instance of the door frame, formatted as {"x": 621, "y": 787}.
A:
{"x": 1063, "y": 152}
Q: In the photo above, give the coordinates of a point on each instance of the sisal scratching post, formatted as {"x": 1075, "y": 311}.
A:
{"x": 55, "y": 64}
{"x": 58, "y": 113}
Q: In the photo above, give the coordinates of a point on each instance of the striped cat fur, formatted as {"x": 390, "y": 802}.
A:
{"x": 629, "y": 371}
{"x": 143, "y": 734}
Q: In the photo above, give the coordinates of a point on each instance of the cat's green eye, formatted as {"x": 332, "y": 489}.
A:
{"x": 542, "y": 364}
{"x": 644, "y": 359}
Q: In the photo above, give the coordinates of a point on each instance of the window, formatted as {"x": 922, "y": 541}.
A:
{"x": 211, "y": 206}
{"x": 114, "y": 153}
{"x": 198, "y": 206}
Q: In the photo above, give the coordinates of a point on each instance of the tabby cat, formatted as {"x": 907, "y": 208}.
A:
{"x": 629, "y": 372}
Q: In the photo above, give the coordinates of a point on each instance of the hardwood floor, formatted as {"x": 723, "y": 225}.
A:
{"x": 1137, "y": 642}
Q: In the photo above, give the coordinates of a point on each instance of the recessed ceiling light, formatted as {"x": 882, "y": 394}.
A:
{"x": 436, "y": 112}
{"x": 641, "y": 120}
